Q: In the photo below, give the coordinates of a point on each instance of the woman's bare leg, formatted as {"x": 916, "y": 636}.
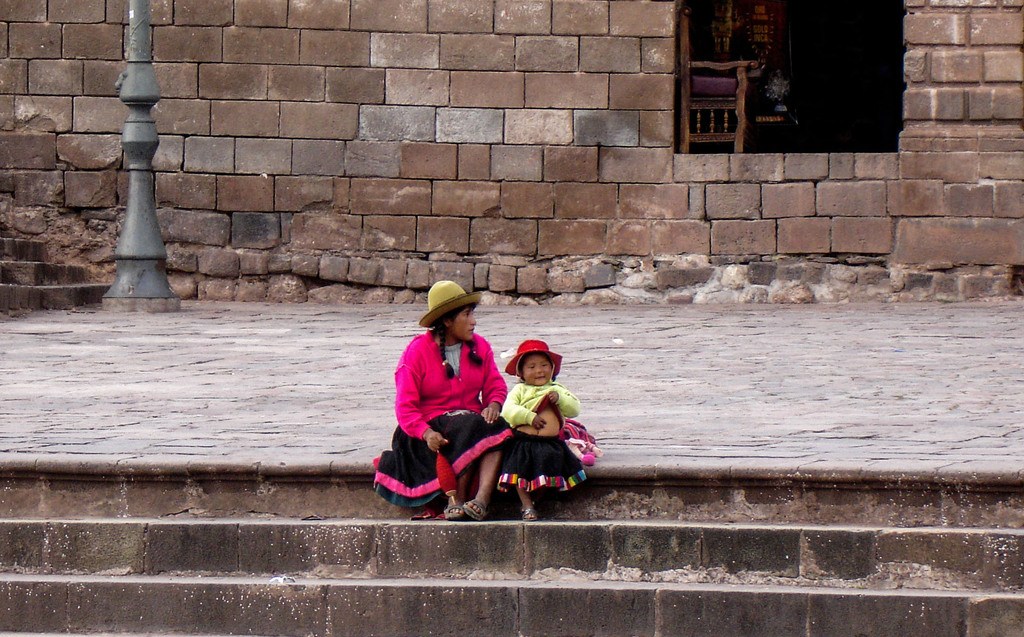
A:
{"x": 490, "y": 464}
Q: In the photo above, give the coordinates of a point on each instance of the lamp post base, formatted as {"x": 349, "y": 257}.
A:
{"x": 152, "y": 306}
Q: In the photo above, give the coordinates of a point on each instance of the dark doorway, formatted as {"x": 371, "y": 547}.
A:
{"x": 847, "y": 78}
{"x": 831, "y": 77}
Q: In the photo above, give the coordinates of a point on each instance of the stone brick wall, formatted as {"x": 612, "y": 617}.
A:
{"x": 345, "y": 150}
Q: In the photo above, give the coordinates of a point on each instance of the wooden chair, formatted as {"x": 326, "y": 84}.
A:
{"x": 713, "y": 95}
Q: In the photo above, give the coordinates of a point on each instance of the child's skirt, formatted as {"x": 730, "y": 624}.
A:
{"x": 532, "y": 462}
{"x": 406, "y": 474}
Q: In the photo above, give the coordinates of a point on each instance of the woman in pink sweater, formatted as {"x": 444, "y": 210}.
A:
{"x": 448, "y": 401}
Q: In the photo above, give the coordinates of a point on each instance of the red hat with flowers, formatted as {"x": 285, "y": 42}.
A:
{"x": 533, "y": 347}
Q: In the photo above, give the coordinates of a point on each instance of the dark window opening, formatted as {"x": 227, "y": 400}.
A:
{"x": 830, "y": 76}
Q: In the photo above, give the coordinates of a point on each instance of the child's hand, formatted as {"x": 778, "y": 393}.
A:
{"x": 539, "y": 422}
{"x": 553, "y": 397}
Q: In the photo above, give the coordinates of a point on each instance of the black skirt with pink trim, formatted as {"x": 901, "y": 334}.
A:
{"x": 407, "y": 475}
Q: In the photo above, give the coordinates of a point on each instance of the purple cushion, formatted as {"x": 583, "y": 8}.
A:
{"x": 710, "y": 86}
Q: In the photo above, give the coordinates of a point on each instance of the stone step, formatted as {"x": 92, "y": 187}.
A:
{"x": 22, "y": 250}
{"x": 38, "y": 273}
{"x": 118, "y": 486}
{"x": 50, "y": 297}
{"x": 494, "y": 608}
{"x": 844, "y": 557}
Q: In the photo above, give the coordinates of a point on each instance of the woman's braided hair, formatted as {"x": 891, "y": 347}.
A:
{"x": 440, "y": 332}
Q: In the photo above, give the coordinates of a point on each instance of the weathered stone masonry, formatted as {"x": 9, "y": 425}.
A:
{"x": 360, "y": 149}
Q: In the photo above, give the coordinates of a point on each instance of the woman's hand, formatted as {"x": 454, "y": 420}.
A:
{"x": 434, "y": 440}
{"x": 491, "y": 412}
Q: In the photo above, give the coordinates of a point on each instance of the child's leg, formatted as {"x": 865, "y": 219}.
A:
{"x": 524, "y": 498}
{"x": 529, "y": 511}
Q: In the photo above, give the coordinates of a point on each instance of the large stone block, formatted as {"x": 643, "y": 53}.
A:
{"x": 517, "y": 163}
{"x": 862, "y": 235}
{"x": 429, "y": 161}
{"x": 442, "y": 234}
{"x": 389, "y": 15}
{"x": 804, "y": 236}
{"x": 245, "y": 193}
{"x": 522, "y": 17}
{"x": 571, "y": 237}
{"x": 187, "y": 226}
{"x": 570, "y": 164}
{"x": 396, "y": 123}
{"x": 552, "y": 611}
{"x": 261, "y": 46}
{"x": 610, "y": 54}
{"x": 630, "y": 237}
{"x": 477, "y": 52}
{"x": 358, "y": 86}
{"x": 661, "y": 201}
{"x": 470, "y": 125}
{"x": 547, "y": 53}
{"x": 579, "y": 17}
{"x": 320, "y": 120}
{"x": 405, "y": 50}
{"x": 647, "y": 19}
{"x": 885, "y": 615}
{"x": 503, "y": 236}
{"x": 373, "y": 159}
{"x": 485, "y": 89}
{"x": 318, "y": 157}
{"x": 465, "y": 198}
{"x": 325, "y": 231}
{"x": 89, "y": 152}
{"x": 732, "y": 614}
{"x": 647, "y": 91}
{"x": 566, "y": 90}
{"x": 391, "y": 196}
{"x": 538, "y": 126}
{"x": 33, "y": 40}
{"x": 90, "y": 189}
{"x": 788, "y": 200}
{"x": 417, "y": 87}
{"x": 429, "y": 608}
{"x": 743, "y": 237}
{"x": 587, "y": 201}
{"x": 474, "y": 161}
{"x": 28, "y": 151}
{"x": 460, "y": 16}
{"x": 94, "y": 547}
{"x": 527, "y": 200}
{"x": 255, "y": 230}
{"x": 191, "y": 547}
{"x": 636, "y": 165}
{"x": 956, "y": 241}
{"x": 733, "y": 201}
{"x": 389, "y": 233}
{"x": 680, "y": 237}
{"x": 770, "y": 551}
{"x": 326, "y": 14}
{"x": 855, "y": 198}
{"x": 606, "y": 128}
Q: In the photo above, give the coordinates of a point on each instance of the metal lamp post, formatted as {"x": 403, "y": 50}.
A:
{"x": 141, "y": 282}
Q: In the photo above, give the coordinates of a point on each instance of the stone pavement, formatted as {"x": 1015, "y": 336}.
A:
{"x": 911, "y": 389}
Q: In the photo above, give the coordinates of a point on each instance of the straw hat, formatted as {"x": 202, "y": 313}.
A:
{"x": 443, "y": 297}
{"x": 533, "y": 347}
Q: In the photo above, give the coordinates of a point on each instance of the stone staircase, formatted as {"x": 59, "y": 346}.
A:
{"x": 183, "y": 574}
{"x": 28, "y": 282}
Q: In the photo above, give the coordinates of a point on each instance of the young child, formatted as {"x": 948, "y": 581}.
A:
{"x": 537, "y": 457}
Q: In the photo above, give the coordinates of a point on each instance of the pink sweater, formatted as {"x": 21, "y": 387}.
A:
{"x": 424, "y": 391}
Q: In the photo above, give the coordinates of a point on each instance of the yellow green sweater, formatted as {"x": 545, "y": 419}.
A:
{"x": 518, "y": 408}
